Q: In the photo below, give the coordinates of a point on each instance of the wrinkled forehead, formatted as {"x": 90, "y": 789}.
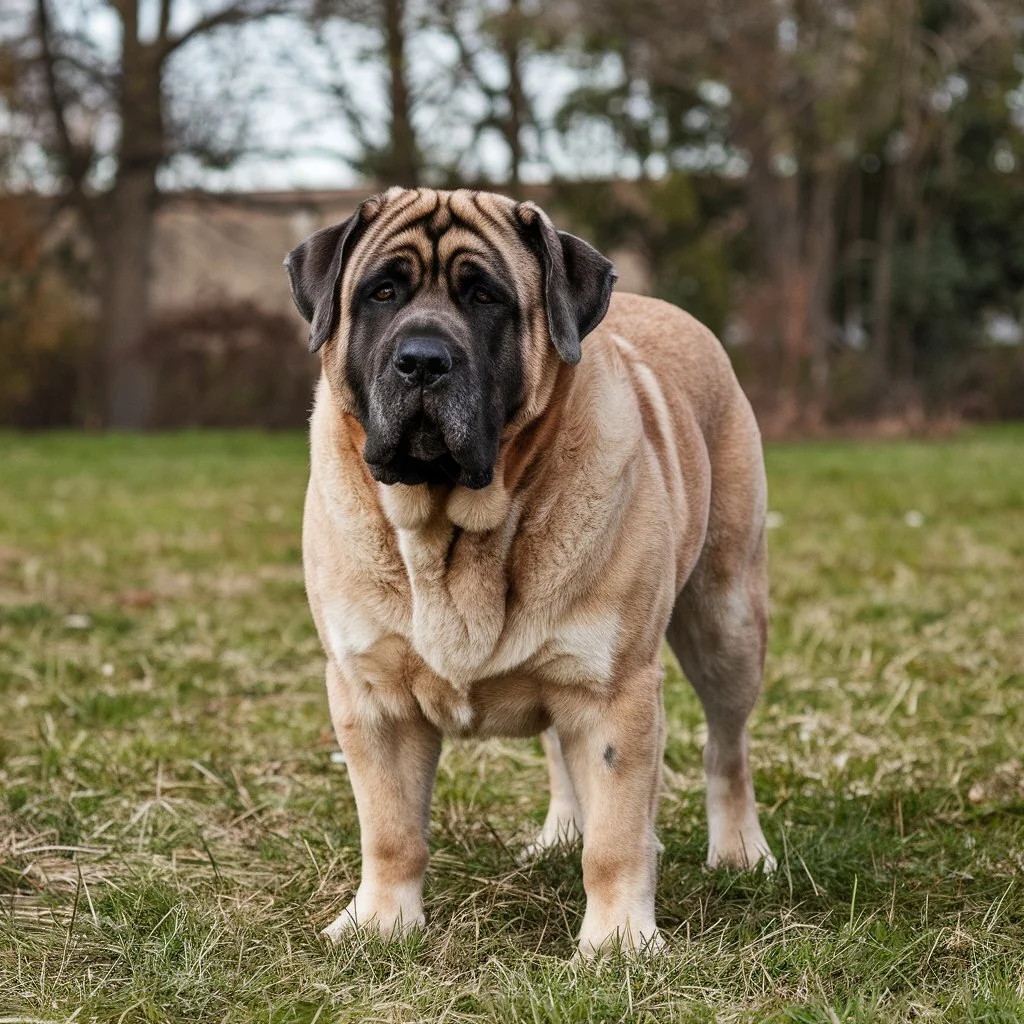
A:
{"x": 437, "y": 235}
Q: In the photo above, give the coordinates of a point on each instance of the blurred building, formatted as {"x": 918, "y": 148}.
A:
{"x": 223, "y": 251}
{"x": 228, "y": 342}
{"x": 226, "y": 250}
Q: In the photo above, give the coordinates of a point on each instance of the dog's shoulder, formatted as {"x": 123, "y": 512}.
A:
{"x": 672, "y": 349}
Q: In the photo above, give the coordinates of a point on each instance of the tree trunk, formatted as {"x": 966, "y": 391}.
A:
{"x": 402, "y": 165}
{"x": 820, "y": 258}
{"x": 881, "y": 287}
{"x": 126, "y": 234}
{"x": 903, "y": 349}
{"x": 516, "y": 99}
{"x": 124, "y": 318}
{"x": 773, "y": 206}
{"x": 853, "y": 290}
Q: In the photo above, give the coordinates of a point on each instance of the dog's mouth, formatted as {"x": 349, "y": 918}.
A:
{"x": 442, "y": 471}
{"x": 422, "y": 456}
{"x": 422, "y": 440}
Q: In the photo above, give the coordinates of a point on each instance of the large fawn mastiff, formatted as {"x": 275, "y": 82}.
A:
{"x": 502, "y": 524}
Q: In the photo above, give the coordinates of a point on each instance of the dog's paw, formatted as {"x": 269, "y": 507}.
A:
{"x": 742, "y": 851}
{"x": 557, "y": 833}
{"x": 645, "y": 941}
{"x": 391, "y": 915}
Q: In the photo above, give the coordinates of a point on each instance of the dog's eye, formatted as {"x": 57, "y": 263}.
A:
{"x": 385, "y": 293}
{"x": 483, "y": 296}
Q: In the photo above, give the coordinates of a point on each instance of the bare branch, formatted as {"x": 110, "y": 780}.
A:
{"x": 165, "y": 20}
{"x": 242, "y": 12}
{"x": 467, "y": 58}
{"x": 75, "y": 160}
{"x": 128, "y": 12}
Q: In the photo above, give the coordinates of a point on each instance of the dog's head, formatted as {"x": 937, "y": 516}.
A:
{"x": 436, "y": 313}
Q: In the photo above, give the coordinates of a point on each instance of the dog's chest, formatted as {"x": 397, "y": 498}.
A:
{"x": 507, "y": 693}
{"x": 473, "y": 627}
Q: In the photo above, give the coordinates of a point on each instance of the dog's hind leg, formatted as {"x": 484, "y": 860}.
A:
{"x": 564, "y": 821}
{"x": 718, "y": 631}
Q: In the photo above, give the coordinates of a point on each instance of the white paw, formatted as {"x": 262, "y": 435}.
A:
{"x": 742, "y": 851}
{"x": 735, "y": 839}
{"x": 645, "y": 940}
{"x": 559, "y": 831}
{"x": 392, "y": 915}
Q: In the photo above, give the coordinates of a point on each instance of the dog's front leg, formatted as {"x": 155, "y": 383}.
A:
{"x": 613, "y": 752}
{"x": 392, "y": 764}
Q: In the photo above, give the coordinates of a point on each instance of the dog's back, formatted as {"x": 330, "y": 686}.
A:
{"x": 695, "y": 414}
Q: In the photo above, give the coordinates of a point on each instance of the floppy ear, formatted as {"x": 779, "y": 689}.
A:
{"x": 314, "y": 272}
{"x": 577, "y": 282}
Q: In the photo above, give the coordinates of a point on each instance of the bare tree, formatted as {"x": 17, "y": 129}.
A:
{"x": 493, "y": 47}
{"x": 794, "y": 93}
{"x": 82, "y": 95}
{"x": 938, "y": 61}
{"x": 391, "y": 155}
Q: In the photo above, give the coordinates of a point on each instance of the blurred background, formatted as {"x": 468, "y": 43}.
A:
{"x": 836, "y": 188}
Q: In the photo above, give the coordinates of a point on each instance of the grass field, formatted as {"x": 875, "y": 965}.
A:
{"x": 173, "y": 830}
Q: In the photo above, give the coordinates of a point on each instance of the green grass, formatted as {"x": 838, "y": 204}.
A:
{"x": 173, "y": 831}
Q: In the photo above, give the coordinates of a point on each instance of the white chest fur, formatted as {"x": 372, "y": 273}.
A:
{"x": 449, "y": 680}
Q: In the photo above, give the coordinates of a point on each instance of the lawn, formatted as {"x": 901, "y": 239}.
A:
{"x": 174, "y": 830}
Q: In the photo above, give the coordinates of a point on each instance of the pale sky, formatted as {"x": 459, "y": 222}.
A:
{"x": 277, "y": 74}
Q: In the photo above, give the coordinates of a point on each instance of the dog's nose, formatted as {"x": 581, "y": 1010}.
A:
{"x": 422, "y": 360}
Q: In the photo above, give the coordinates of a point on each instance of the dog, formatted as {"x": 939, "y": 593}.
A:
{"x": 502, "y": 523}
